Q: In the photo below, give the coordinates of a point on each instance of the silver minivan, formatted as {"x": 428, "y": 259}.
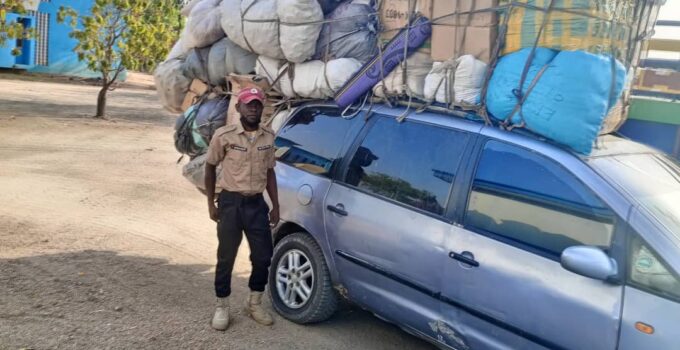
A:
{"x": 476, "y": 238}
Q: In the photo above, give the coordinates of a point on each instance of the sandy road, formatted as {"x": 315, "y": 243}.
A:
{"x": 103, "y": 244}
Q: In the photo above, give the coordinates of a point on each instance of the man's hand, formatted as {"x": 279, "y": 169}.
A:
{"x": 214, "y": 216}
{"x": 274, "y": 216}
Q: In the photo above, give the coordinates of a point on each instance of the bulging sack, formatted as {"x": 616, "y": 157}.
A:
{"x": 351, "y": 31}
{"x": 195, "y": 66}
{"x": 298, "y": 42}
{"x": 268, "y": 67}
{"x": 283, "y": 29}
{"x": 228, "y": 58}
{"x": 195, "y": 128}
{"x": 194, "y": 171}
{"x": 203, "y": 25}
{"x": 418, "y": 65}
{"x": 212, "y": 64}
{"x": 211, "y": 115}
{"x": 569, "y": 100}
{"x": 316, "y": 79}
{"x": 171, "y": 85}
{"x": 458, "y": 81}
{"x": 259, "y": 33}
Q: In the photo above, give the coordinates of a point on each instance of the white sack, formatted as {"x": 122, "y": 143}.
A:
{"x": 203, "y": 26}
{"x": 262, "y": 37}
{"x": 316, "y": 79}
{"x": 418, "y": 65}
{"x": 171, "y": 85}
{"x": 258, "y": 30}
{"x": 280, "y": 118}
{"x": 458, "y": 81}
{"x": 268, "y": 67}
{"x": 439, "y": 82}
{"x": 298, "y": 42}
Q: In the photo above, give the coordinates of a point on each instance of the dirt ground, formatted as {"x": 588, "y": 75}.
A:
{"x": 104, "y": 245}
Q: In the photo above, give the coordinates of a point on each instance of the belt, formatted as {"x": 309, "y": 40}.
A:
{"x": 239, "y": 195}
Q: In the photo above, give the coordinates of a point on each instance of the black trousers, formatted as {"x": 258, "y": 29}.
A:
{"x": 238, "y": 214}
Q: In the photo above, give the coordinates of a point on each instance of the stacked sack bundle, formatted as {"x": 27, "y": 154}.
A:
{"x": 306, "y": 54}
{"x": 558, "y": 68}
{"x": 202, "y": 54}
{"x": 305, "y": 48}
{"x": 297, "y": 49}
{"x": 561, "y": 69}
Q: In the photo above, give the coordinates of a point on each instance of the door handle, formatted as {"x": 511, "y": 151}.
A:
{"x": 338, "y": 209}
{"x": 465, "y": 257}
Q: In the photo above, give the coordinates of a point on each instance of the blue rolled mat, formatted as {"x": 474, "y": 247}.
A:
{"x": 393, "y": 54}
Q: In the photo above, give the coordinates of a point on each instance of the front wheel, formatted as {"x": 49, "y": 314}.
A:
{"x": 299, "y": 283}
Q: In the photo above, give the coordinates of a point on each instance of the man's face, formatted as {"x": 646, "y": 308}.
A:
{"x": 251, "y": 112}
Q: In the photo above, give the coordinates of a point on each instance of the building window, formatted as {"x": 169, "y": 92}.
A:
{"x": 42, "y": 39}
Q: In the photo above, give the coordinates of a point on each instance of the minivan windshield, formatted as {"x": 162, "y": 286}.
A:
{"x": 651, "y": 179}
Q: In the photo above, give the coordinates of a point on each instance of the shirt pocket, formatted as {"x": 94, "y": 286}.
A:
{"x": 236, "y": 159}
{"x": 264, "y": 154}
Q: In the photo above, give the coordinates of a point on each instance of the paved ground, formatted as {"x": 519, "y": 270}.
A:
{"x": 103, "y": 244}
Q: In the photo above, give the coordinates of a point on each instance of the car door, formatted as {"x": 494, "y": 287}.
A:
{"x": 504, "y": 285}
{"x": 309, "y": 149}
{"x": 385, "y": 219}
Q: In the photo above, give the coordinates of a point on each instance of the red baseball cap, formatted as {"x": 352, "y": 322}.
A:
{"x": 250, "y": 94}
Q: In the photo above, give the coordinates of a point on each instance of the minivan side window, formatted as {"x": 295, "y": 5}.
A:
{"x": 312, "y": 139}
{"x": 649, "y": 272}
{"x": 409, "y": 162}
{"x": 523, "y": 197}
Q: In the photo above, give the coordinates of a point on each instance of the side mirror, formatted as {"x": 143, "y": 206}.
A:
{"x": 589, "y": 261}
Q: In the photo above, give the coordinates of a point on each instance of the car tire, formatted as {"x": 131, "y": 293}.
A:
{"x": 322, "y": 301}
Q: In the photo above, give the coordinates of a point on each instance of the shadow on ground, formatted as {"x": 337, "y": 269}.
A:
{"x": 101, "y": 299}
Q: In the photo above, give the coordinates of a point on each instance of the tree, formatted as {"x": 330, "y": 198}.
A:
{"x": 122, "y": 34}
{"x": 11, "y": 30}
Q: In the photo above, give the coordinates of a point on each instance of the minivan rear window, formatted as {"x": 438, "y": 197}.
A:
{"x": 526, "y": 198}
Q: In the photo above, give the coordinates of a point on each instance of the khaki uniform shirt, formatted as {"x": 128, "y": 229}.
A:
{"x": 244, "y": 163}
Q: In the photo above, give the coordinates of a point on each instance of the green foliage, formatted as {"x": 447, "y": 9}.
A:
{"x": 12, "y": 30}
{"x": 123, "y": 34}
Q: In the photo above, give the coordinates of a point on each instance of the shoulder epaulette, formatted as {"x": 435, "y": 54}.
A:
{"x": 225, "y": 129}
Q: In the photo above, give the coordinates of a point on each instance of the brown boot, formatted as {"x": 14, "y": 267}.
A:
{"x": 256, "y": 311}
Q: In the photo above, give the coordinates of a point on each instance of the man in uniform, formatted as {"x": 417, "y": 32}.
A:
{"x": 246, "y": 152}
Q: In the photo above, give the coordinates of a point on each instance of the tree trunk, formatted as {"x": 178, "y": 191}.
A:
{"x": 101, "y": 102}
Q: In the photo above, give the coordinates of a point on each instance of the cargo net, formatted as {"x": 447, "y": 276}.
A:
{"x": 492, "y": 63}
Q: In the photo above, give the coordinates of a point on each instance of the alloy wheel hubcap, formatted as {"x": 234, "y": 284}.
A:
{"x": 294, "y": 279}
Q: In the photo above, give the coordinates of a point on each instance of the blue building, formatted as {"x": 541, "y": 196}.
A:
{"x": 51, "y": 49}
